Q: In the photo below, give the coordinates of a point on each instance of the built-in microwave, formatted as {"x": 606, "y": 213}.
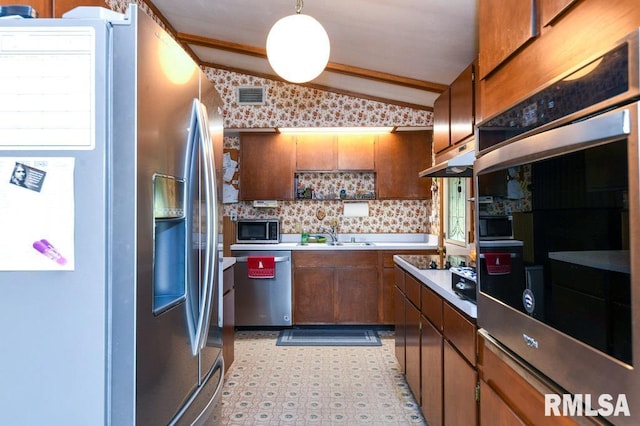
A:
{"x": 567, "y": 301}
{"x": 495, "y": 227}
{"x": 258, "y": 231}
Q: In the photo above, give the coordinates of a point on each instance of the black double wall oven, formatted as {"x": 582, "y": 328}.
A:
{"x": 564, "y": 297}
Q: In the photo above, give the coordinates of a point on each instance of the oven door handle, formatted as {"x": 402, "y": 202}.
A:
{"x": 583, "y": 134}
{"x": 277, "y": 259}
{"x": 513, "y": 255}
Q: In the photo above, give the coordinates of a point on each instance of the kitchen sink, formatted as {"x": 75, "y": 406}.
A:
{"x": 347, "y": 244}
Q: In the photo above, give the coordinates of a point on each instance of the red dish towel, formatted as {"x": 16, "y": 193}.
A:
{"x": 498, "y": 263}
{"x": 261, "y": 267}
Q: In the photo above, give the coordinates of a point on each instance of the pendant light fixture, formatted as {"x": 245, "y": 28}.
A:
{"x": 298, "y": 47}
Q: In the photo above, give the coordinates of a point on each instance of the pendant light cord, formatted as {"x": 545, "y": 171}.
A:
{"x": 299, "y": 4}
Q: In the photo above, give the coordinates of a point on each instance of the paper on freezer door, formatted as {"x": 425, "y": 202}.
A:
{"x": 37, "y": 213}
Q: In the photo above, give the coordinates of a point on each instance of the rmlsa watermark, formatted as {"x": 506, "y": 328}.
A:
{"x": 586, "y": 405}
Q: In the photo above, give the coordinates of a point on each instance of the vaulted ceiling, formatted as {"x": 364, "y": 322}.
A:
{"x": 403, "y": 52}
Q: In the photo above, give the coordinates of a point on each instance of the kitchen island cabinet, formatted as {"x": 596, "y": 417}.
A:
{"x": 266, "y": 167}
{"x": 331, "y": 288}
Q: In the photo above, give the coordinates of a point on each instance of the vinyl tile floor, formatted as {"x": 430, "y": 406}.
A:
{"x": 315, "y": 385}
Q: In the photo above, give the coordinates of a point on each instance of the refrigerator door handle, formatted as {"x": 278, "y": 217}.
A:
{"x": 277, "y": 259}
{"x": 211, "y": 221}
{"x": 198, "y": 298}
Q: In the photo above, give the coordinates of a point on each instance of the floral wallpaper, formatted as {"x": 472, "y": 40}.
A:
{"x": 291, "y": 105}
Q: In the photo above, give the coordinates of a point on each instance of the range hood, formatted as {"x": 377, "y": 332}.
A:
{"x": 458, "y": 166}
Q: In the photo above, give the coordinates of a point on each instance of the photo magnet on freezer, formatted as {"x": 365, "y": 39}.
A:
{"x": 27, "y": 177}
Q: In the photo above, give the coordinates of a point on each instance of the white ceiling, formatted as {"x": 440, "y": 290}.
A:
{"x": 414, "y": 48}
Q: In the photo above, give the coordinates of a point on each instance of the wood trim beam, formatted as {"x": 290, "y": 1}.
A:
{"x": 331, "y": 66}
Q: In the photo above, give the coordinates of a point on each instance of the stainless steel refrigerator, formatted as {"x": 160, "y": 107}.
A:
{"x": 110, "y": 225}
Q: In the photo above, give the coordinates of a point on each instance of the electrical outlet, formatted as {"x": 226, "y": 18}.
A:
{"x": 234, "y": 216}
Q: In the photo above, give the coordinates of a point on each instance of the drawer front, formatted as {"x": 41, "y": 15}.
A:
{"x": 412, "y": 289}
{"x": 432, "y": 306}
{"x": 335, "y": 258}
{"x": 460, "y": 331}
{"x": 517, "y": 386}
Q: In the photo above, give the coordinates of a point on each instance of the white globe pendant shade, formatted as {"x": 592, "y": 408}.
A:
{"x": 298, "y": 48}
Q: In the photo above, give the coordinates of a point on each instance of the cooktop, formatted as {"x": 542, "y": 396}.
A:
{"x": 433, "y": 261}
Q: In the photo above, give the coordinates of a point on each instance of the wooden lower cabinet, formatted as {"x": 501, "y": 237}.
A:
{"x": 391, "y": 276}
{"x": 400, "y": 328}
{"x": 439, "y": 354}
{"x": 432, "y": 362}
{"x": 335, "y": 287}
{"x": 412, "y": 349}
{"x": 356, "y": 295}
{"x": 494, "y": 411}
{"x": 313, "y": 295}
{"x": 460, "y": 381}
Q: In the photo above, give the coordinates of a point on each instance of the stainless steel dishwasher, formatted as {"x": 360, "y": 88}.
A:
{"x": 263, "y": 301}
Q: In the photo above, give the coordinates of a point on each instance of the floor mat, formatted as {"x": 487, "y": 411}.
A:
{"x": 328, "y": 337}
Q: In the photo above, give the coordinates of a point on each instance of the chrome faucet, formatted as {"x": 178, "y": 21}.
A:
{"x": 332, "y": 232}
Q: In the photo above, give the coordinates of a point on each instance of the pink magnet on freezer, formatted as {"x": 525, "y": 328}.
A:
{"x": 46, "y": 248}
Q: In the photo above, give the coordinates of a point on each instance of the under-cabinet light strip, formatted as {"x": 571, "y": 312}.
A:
{"x": 343, "y": 130}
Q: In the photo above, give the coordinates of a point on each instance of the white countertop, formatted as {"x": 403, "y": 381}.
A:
{"x": 439, "y": 280}
{"x": 376, "y": 242}
{"x": 228, "y": 262}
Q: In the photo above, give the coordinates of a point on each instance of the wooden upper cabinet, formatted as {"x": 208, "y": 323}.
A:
{"x": 399, "y": 159}
{"x": 462, "y": 112}
{"x": 327, "y": 153}
{"x": 577, "y": 31}
{"x": 356, "y": 152}
{"x": 441, "y": 118}
{"x": 551, "y": 9}
{"x": 315, "y": 153}
{"x": 266, "y": 166}
{"x": 454, "y": 112}
{"x": 504, "y": 29}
